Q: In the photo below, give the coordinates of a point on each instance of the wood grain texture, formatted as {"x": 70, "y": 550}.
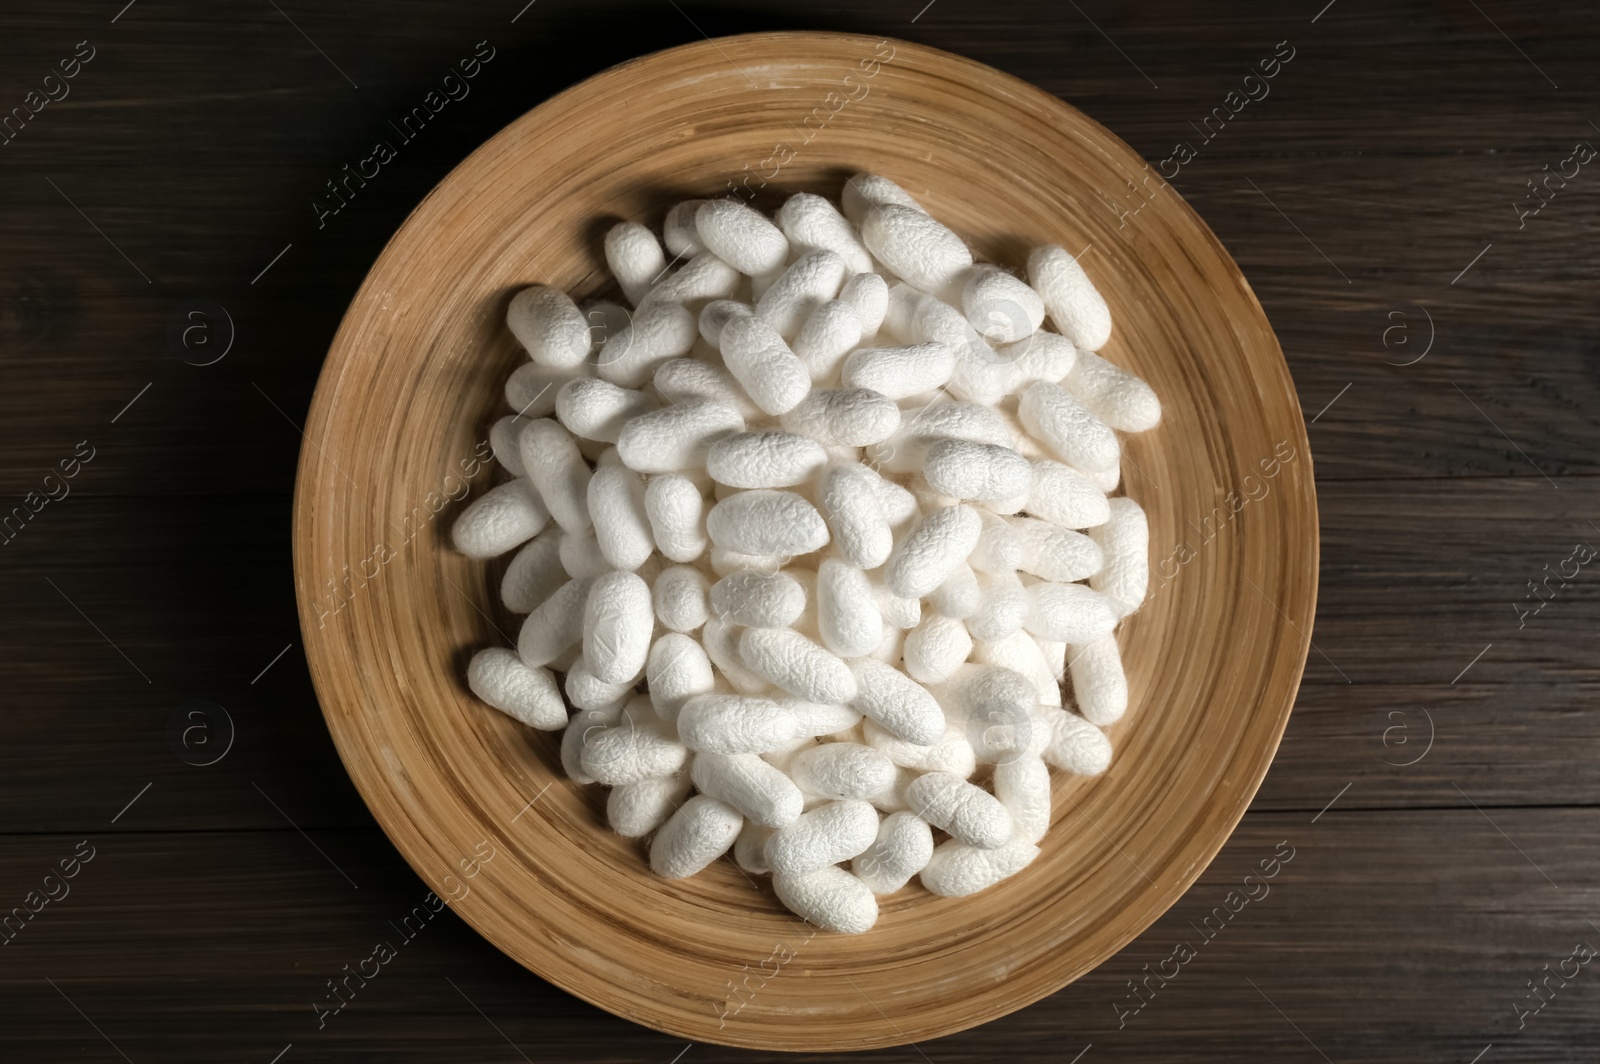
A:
{"x": 1367, "y": 902}
{"x": 1397, "y": 140}
{"x": 413, "y": 380}
{"x": 1437, "y": 584}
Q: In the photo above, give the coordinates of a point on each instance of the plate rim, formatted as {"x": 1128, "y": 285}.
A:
{"x": 343, "y": 346}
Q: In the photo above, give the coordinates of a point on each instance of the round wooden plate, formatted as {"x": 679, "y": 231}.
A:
{"x": 397, "y": 436}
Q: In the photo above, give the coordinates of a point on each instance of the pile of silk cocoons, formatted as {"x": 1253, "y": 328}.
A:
{"x": 809, "y": 536}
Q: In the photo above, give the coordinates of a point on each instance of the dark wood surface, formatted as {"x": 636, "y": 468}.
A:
{"x": 1370, "y": 198}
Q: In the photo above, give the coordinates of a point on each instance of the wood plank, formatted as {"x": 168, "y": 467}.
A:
{"x": 1406, "y": 605}
{"x": 1386, "y": 904}
{"x": 1420, "y": 577}
{"x": 1501, "y": 744}
{"x": 1450, "y": 55}
{"x": 1502, "y": 389}
{"x": 1373, "y": 204}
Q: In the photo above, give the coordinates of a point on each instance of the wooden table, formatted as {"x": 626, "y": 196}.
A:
{"x": 1436, "y": 787}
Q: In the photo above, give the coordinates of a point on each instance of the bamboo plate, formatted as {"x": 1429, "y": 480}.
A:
{"x": 390, "y": 614}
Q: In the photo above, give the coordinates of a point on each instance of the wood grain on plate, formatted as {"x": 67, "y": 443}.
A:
{"x": 413, "y": 381}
